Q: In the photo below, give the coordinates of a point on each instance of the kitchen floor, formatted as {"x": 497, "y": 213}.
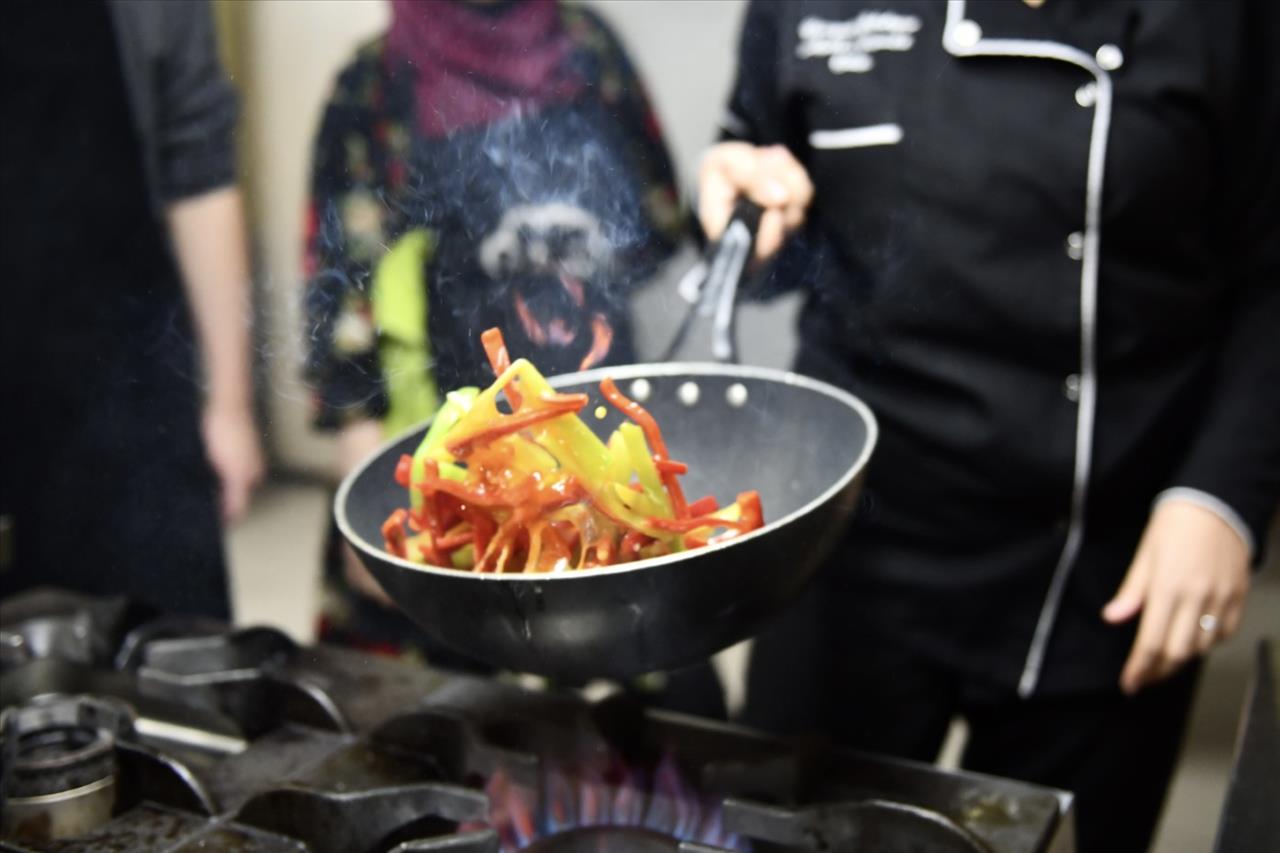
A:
{"x": 275, "y": 555}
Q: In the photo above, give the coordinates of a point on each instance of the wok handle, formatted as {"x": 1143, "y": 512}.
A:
{"x": 721, "y": 271}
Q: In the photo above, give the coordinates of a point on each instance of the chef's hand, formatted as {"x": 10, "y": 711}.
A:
{"x": 771, "y": 177}
{"x": 235, "y": 454}
{"x": 1189, "y": 564}
{"x": 355, "y": 442}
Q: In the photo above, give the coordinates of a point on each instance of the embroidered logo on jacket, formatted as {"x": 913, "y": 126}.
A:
{"x": 848, "y": 45}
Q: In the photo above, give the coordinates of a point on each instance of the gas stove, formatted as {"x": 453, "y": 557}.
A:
{"x": 129, "y": 730}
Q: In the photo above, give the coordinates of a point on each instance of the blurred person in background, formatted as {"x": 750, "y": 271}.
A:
{"x": 1041, "y": 240}
{"x": 480, "y": 164}
{"x": 128, "y": 433}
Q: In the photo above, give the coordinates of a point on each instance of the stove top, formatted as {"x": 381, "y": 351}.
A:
{"x": 129, "y": 730}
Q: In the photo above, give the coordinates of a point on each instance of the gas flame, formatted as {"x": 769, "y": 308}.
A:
{"x": 572, "y": 797}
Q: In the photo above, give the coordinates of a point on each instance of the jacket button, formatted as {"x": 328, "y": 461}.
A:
{"x": 1071, "y": 387}
{"x": 1087, "y": 94}
{"x": 1075, "y": 245}
{"x": 1109, "y": 57}
{"x": 966, "y": 34}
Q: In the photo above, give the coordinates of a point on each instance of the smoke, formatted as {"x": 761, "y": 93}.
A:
{"x": 541, "y": 225}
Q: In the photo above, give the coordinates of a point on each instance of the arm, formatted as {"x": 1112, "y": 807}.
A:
{"x": 209, "y": 241}
{"x": 1209, "y": 525}
{"x": 195, "y": 122}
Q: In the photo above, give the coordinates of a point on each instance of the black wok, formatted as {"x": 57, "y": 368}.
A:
{"x": 801, "y": 443}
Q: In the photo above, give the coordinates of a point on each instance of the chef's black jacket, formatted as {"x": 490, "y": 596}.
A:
{"x": 1044, "y": 249}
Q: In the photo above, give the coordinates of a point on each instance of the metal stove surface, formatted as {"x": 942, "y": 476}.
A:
{"x": 240, "y": 740}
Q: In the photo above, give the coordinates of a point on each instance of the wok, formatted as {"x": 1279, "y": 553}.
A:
{"x": 803, "y": 444}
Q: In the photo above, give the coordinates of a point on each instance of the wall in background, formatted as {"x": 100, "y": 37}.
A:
{"x": 284, "y": 57}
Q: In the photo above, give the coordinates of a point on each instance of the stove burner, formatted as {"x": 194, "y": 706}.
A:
{"x": 160, "y": 736}
{"x": 606, "y": 805}
{"x": 880, "y": 825}
{"x": 241, "y": 674}
{"x": 365, "y": 821}
{"x": 606, "y": 839}
{"x": 59, "y": 775}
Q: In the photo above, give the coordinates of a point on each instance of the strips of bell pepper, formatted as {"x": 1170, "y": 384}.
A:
{"x": 641, "y": 416}
{"x": 539, "y": 487}
{"x": 551, "y": 407}
{"x": 744, "y": 515}
{"x": 456, "y": 404}
{"x": 403, "y": 467}
{"x": 704, "y": 506}
{"x": 684, "y": 525}
{"x": 641, "y": 460}
{"x": 393, "y": 535}
{"x": 422, "y": 549}
{"x": 495, "y": 347}
{"x": 670, "y": 466}
{"x": 579, "y": 452}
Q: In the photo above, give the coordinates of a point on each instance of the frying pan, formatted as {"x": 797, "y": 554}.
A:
{"x": 803, "y": 444}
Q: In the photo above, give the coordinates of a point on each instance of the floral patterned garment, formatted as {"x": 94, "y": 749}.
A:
{"x": 540, "y": 223}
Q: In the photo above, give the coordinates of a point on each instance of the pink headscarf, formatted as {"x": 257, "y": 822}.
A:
{"x": 474, "y": 66}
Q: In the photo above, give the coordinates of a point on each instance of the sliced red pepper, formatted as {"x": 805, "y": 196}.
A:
{"x": 404, "y": 470}
{"x": 495, "y": 347}
{"x": 684, "y": 525}
{"x": 555, "y": 544}
{"x": 430, "y": 554}
{"x": 752, "y": 509}
{"x": 393, "y": 535}
{"x": 632, "y": 542}
{"x": 433, "y": 484}
{"x": 670, "y": 466}
{"x": 752, "y": 516}
{"x": 704, "y": 506}
{"x": 653, "y": 435}
{"x": 454, "y": 541}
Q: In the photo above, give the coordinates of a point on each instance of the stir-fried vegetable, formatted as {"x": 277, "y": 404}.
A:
{"x": 530, "y": 488}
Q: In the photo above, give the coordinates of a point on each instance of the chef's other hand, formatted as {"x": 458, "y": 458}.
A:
{"x": 1189, "y": 580}
{"x": 235, "y": 454}
{"x": 769, "y": 176}
{"x": 355, "y": 442}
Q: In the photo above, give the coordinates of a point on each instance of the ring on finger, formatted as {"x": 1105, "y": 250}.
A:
{"x": 1208, "y": 623}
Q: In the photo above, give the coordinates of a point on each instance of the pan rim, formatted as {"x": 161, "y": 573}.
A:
{"x": 625, "y": 372}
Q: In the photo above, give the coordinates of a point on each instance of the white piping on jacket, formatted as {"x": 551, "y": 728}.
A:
{"x": 1215, "y": 505}
{"x": 857, "y": 137}
{"x": 1087, "y": 405}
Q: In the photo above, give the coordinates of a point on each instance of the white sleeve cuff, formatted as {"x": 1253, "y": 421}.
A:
{"x": 1215, "y": 505}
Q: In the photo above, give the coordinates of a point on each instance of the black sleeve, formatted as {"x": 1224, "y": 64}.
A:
{"x": 195, "y": 105}
{"x": 1236, "y": 454}
{"x": 756, "y": 113}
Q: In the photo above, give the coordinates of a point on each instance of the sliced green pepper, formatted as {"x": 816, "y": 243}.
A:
{"x": 456, "y": 404}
